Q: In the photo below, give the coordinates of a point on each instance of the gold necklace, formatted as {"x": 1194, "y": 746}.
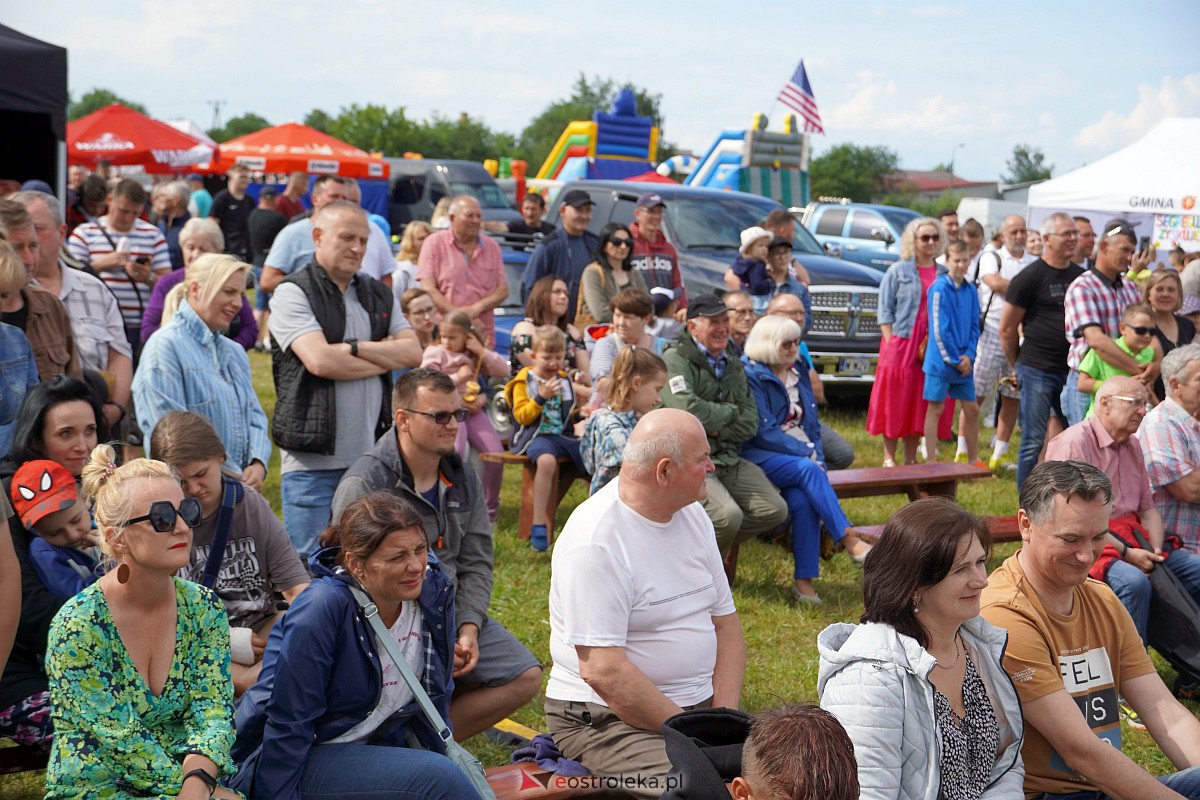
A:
{"x": 957, "y": 655}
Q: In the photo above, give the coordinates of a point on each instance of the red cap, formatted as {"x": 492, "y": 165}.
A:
{"x": 39, "y": 489}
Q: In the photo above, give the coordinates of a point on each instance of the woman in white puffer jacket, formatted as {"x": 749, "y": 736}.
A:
{"x": 919, "y": 686}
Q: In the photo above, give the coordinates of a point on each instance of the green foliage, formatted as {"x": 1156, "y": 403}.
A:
{"x": 912, "y": 199}
{"x": 318, "y": 120}
{"x": 97, "y": 99}
{"x": 586, "y": 98}
{"x": 238, "y": 126}
{"x": 373, "y": 128}
{"x": 1027, "y": 164}
{"x": 849, "y": 170}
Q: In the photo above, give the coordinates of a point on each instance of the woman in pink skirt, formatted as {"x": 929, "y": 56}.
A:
{"x": 897, "y": 410}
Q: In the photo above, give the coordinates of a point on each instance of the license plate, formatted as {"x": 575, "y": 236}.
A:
{"x": 855, "y": 367}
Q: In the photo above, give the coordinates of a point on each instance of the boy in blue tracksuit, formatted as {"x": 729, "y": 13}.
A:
{"x": 950, "y": 353}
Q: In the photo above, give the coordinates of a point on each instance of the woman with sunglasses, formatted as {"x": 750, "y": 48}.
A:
{"x": 897, "y": 409}
{"x": 788, "y": 448}
{"x": 611, "y": 272}
{"x": 60, "y": 421}
{"x": 188, "y": 365}
{"x": 138, "y": 662}
{"x": 331, "y": 715}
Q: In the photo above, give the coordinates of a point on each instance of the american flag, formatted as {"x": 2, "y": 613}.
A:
{"x": 797, "y": 94}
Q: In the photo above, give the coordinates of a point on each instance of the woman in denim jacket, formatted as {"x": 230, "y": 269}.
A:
{"x": 897, "y": 410}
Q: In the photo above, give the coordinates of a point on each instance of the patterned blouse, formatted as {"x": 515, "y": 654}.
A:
{"x": 113, "y": 738}
{"x": 602, "y": 445}
{"x": 969, "y": 744}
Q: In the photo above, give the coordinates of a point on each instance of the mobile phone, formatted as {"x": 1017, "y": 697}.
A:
{"x": 141, "y": 259}
{"x": 1144, "y": 244}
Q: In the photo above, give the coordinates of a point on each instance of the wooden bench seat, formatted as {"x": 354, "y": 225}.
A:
{"x": 562, "y": 484}
{"x": 1003, "y": 529}
{"x": 915, "y": 480}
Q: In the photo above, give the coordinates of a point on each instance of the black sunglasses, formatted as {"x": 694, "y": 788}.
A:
{"x": 1142, "y": 331}
{"x": 929, "y": 237}
{"x": 620, "y": 241}
{"x": 162, "y": 515}
{"x": 441, "y": 417}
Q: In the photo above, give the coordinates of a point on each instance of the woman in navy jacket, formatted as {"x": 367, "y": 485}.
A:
{"x": 788, "y": 448}
{"x": 330, "y": 713}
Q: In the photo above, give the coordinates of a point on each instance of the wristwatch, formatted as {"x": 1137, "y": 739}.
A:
{"x": 203, "y": 775}
{"x": 353, "y": 346}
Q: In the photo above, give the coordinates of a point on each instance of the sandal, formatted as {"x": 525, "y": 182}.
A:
{"x": 889, "y": 462}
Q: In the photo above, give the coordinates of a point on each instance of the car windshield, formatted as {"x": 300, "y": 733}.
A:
{"x": 489, "y": 195}
{"x": 717, "y": 222}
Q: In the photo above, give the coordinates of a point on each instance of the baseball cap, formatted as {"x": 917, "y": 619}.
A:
{"x": 752, "y": 235}
{"x": 706, "y": 305}
{"x": 194, "y": 176}
{"x": 662, "y": 297}
{"x": 268, "y": 192}
{"x": 576, "y": 198}
{"x": 40, "y": 488}
{"x": 650, "y": 200}
{"x": 779, "y": 242}
{"x": 1191, "y": 304}
{"x": 35, "y": 185}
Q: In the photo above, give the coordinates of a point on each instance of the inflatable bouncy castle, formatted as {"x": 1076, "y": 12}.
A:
{"x": 770, "y": 163}
{"x": 616, "y": 145}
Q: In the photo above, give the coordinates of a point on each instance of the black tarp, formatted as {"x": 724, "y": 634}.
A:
{"x": 33, "y": 107}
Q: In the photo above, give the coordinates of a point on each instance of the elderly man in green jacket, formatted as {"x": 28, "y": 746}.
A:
{"x": 706, "y": 378}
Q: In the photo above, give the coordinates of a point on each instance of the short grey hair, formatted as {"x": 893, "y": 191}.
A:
{"x": 203, "y": 228}
{"x": 1175, "y": 364}
{"x": 52, "y": 204}
{"x": 765, "y": 341}
{"x": 645, "y": 452}
{"x": 181, "y": 191}
{"x": 1050, "y": 224}
{"x": 1068, "y": 478}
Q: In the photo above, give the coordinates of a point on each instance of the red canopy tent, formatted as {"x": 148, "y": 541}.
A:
{"x": 124, "y": 137}
{"x": 294, "y": 147}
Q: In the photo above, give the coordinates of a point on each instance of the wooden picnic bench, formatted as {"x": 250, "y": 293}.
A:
{"x": 1002, "y": 528}
{"x": 939, "y": 479}
{"x": 566, "y": 476}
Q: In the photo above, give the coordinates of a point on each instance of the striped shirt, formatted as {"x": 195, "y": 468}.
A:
{"x": 95, "y": 318}
{"x": 90, "y": 241}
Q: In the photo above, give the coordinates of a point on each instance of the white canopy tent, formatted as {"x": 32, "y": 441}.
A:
{"x": 1154, "y": 183}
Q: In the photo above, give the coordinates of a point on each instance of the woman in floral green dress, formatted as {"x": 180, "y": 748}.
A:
{"x": 141, "y": 697}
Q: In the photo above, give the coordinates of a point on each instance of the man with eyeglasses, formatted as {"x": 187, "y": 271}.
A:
{"x": 1094, "y": 305}
{"x": 996, "y": 269}
{"x": 741, "y": 318}
{"x": 1034, "y": 307}
{"x": 1106, "y": 440}
{"x": 494, "y": 674}
{"x": 653, "y": 255}
{"x": 338, "y": 336}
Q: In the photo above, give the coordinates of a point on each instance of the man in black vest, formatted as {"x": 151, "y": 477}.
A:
{"x": 338, "y": 334}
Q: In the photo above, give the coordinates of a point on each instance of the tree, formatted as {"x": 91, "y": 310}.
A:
{"x": 238, "y": 126}
{"x": 374, "y": 128}
{"x": 1027, "y": 165}
{"x": 97, "y": 99}
{"x": 318, "y": 120}
{"x": 586, "y": 98}
{"x": 847, "y": 170}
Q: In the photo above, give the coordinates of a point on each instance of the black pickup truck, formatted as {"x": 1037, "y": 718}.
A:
{"x": 704, "y": 225}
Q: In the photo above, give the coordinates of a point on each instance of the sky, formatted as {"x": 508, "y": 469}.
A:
{"x": 930, "y": 81}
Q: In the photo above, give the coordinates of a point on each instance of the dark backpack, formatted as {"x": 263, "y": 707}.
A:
{"x": 1174, "y": 625}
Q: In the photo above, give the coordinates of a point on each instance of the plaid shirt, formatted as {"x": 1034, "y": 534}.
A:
{"x": 1170, "y": 439}
{"x": 1093, "y": 299}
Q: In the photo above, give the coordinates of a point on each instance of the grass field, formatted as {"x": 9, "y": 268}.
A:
{"x": 780, "y": 635}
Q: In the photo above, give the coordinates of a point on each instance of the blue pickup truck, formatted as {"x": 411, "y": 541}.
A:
{"x": 865, "y": 233}
{"x": 704, "y": 225}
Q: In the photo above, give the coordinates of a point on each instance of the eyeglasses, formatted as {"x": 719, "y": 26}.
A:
{"x": 930, "y": 237}
{"x": 1136, "y": 402}
{"x": 791, "y": 343}
{"x": 424, "y": 312}
{"x": 1141, "y": 330}
{"x": 441, "y": 417}
{"x": 162, "y": 515}
{"x": 620, "y": 241}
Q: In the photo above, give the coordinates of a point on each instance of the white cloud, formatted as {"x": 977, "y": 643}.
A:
{"x": 1175, "y": 97}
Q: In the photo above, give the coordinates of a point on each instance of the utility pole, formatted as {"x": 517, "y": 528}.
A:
{"x": 216, "y": 107}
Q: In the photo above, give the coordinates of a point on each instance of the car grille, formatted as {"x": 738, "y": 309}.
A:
{"x": 844, "y": 312}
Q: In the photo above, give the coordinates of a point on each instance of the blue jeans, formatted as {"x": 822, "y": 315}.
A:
{"x": 1074, "y": 402}
{"x": 1040, "y": 391}
{"x": 369, "y": 772}
{"x": 1186, "y": 783}
{"x": 810, "y": 499}
{"x": 307, "y": 498}
{"x": 1132, "y": 586}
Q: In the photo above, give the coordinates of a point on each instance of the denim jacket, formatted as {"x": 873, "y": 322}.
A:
{"x": 900, "y": 296}
{"x": 18, "y": 374}
{"x": 185, "y": 366}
